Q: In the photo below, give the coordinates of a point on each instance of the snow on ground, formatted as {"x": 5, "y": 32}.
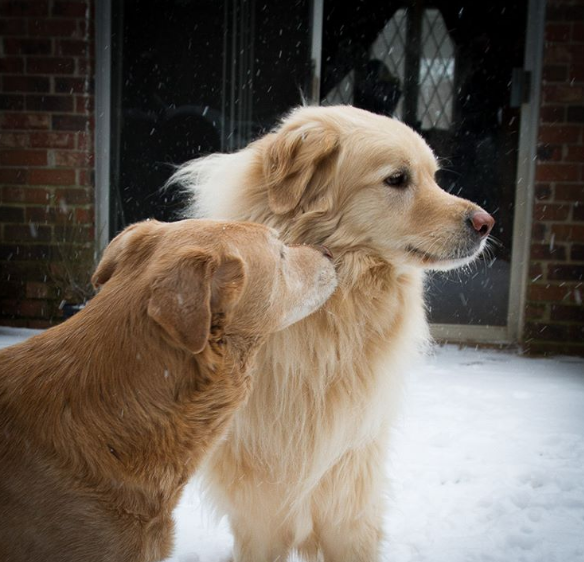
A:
{"x": 486, "y": 465}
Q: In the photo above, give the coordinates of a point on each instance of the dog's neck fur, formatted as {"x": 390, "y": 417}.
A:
{"x": 364, "y": 318}
{"x": 115, "y": 385}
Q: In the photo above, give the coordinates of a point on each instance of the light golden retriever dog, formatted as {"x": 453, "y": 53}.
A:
{"x": 105, "y": 417}
{"x": 303, "y": 467}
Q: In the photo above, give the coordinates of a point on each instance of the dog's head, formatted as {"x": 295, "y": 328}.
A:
{"x": 195, "y": 276}
{"x": 349, "y": 178}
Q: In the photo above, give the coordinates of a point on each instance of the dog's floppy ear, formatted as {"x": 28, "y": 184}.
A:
{"x": 291, "y": 160}
{"x": 112, "y": 255}
{"x": 183, "y": 299}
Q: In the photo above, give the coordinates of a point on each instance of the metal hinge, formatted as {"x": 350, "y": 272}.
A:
{"x": 520, "y": 87}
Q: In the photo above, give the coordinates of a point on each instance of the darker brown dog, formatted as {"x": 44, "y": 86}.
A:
{"x": 105, "y": 417}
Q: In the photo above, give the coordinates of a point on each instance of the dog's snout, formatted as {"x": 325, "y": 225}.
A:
{"x": 482, "y": 222}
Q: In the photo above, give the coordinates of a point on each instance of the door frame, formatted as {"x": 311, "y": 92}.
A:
{"x": 524, "y": 199}
{"x": 524, "y": 184}
{"x": 525, "y": 179}
{"x": 103, "y": 125}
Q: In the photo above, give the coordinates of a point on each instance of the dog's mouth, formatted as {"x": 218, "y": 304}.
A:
{"x": 428, "y": 258}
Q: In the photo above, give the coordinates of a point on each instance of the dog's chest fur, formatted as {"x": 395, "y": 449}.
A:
{"x": 331, "y": 383}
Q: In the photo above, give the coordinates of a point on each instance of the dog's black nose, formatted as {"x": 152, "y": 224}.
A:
{"x": 482, "y": 222}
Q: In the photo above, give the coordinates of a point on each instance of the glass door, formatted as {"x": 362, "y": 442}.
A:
{"x": 192, "y": 78}
{"x": 445, "y": 68}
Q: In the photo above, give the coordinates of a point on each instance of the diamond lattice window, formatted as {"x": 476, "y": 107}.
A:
{"x": 436, "y": 62}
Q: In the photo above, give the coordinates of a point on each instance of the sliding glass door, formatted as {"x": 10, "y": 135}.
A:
{"x": 191, "y": 78}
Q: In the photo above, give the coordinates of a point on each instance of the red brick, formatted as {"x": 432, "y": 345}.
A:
{"x": 32, "y": 308}
{"x": 576, "y": 73}
{"x": 555, "y": 73}
{"x": 557, "y": 32}
{"x": 11, "y": 102}
{"x": 578, "y": 212}
{"x": 51, "y": 177}
{"x": 11, "y": 214}
{"x": 26, "y": 195}
{"x": 13, "y": 176}
{"x": 566, "y": 272}
{"x": 49, "y": 103}
{"x": 569, "y": 192}
{"x": 567, "y": 313}
{"x": 45, "y": 215}
{"x": 75, "y": 196}
{"x": 575, "y": 113}
{"x": 550, "y": 331}
{"x": 40, "y": 324}
{"x": 538, "y": 231}
{"x": 557, "y": 54}
{"x": 71, "y": 159}
{"x": 11, "y": 64}
{"x": 535, "y": 311}
{"x": 558, "y": 134}
{"x": 77, "y": 234}
{"x": 549, "y": 153}
{"x": 16, "y": 121}
{"x": 558, "y": 172}
{"x": 85, "y": 67}
{"x": 71, "y": 85}
{"x": 568, "y": 232}
{"x": 535, "y": 271}
{"x": 52, "y": 27}
{"x": 548, "y": 212}
{"x": 12, "y": 26}
{"x": 543, "y": 191}
{"x": 578, "y": 32}
{"x": 50, "y": 65}
{"x": 36, "y": 290}
{"x": 14, "y": 140}
{"x": 86, "y": 177}
{"x": 84, "y": 216}
{"x": 577, "y": 253}
{"x": 52, "y": 140}
{"x": 23, "y": 157}
{"x": 563, "y": 94}
{"x": 546, "y": 252}
{"x": 10, "y": 289}
{"x": 84, "y": 141}
{"x": 13, "y": 46}
{"x": 70, "y": 122}
{"x": 70, "y": 9}
{"x": 574, "y": 154}
{"x": 549, "y": 293}
{"x": 84, "y": 104}
{"x": 552, "y": 114}
{"x": 27, "y": 233}
{"x": 26, "y": 84}
{"x": 15, "y": 8}
{"x": 72, "y": 47}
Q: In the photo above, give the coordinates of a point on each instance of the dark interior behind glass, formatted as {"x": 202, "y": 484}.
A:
{"x": 191, "y": 78}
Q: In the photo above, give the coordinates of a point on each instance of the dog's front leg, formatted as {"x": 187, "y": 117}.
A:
{"x": 257, "y": 545}
{"x": 349, "y": 506}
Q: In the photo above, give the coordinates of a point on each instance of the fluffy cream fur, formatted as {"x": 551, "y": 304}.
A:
{"x": 302, "y": 468}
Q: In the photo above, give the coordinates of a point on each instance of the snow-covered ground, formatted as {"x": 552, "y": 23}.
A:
{"x": 486, "y": 465}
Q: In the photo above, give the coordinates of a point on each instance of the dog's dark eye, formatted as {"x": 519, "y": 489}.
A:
{"x": 399, "y": 179}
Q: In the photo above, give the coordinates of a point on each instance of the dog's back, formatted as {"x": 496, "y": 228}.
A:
{"x": 47, "y": 512}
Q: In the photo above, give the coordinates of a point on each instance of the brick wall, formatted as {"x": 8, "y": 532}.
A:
{"x": 46, "y": 156}
{"x": 556, "y": 288}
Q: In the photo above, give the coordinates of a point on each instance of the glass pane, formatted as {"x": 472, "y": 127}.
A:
{"x": 444, "y": 68}
{"x": 191, "y": 78}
